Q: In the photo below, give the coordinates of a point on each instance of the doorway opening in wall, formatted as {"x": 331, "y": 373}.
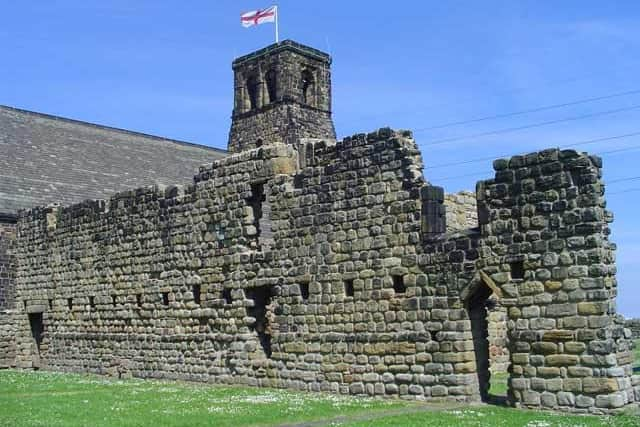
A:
{"x": 261, "y": 297}
{"x": 37, "y": 329}
{"x": 488, "y": 329}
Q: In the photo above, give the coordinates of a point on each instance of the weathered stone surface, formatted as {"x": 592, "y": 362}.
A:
{"x": 324, "y": 265}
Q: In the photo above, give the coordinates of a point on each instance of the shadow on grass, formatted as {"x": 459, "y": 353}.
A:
{"x": 497, "y": 400}
{"x": 636, "y": 369}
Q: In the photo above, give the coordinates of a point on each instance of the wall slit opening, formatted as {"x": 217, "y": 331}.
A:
{"x": 348, "y": 288}
{"x": 261, "y": 297}
{"x": 304, "y": 290}
{"x": 37, "y": 330}
{"x": 258, "y": 201}
{"x": 479, "y": 306}
{"x": 196, "y": 294}
{"x": 398, "y": 284}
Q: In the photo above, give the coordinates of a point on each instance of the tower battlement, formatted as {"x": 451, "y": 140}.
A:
{"x": 281, "y": 93}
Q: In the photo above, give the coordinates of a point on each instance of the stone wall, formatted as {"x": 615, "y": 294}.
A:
{"x": 462, "y": 211}
{"x": 634, "y": 327}
{"x": 350, "y": 285}
{"x": 280, "y": 122}
{"x": 544, "y": 218}
{"x": 281, "y": 93}
{"x": 7, "y": 286}
{"x": 7, "y": 339}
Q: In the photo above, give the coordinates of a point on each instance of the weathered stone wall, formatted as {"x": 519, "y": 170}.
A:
{"x": 461, "y": 211}
{"x": 350, "y": 284}
{"x": 7, "y": 340}
{"x": 634, "y": 326}
{"x": 339, "y": 303}
{"x": 279, "y": 122}
{"x": 281, "y": 93}
{"x": 544, "y": 218}
{"x": 7, "y": 285}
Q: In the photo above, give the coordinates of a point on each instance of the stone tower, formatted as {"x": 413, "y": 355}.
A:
{"x": 281, "y": 93}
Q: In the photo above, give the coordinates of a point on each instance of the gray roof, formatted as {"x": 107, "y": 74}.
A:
{"x": 48, "y": 159}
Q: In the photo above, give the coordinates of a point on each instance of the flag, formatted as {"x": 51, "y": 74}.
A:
{"x": 256, "y": 17}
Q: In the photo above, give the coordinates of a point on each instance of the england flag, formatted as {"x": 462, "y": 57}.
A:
{"x": 257, "y": 17}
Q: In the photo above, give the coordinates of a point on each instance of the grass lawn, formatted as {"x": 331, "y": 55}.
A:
{"x": 636, "y": 353}
{"x": 54, "y": 399}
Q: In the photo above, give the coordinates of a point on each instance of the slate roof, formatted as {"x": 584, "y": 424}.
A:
{"x": 48, "y": 159}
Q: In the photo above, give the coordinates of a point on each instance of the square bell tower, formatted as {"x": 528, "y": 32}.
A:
{"x": 281, "y": 93}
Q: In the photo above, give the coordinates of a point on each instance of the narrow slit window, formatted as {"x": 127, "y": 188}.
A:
{"x": 270, "y": 79}
{"x": 196, "y": 294}
{"x": 304, "y": 290}
{"x": 139, "y": 300}
{"x": 261, "y": 297}
{"x": 114, "y": 300}
{"x": 70, "y": 303}
{"x": 253, "y": 87}
{"x": 308, "y": 87}
{"x": 398, "y": 284}
{"x": 92, "y": 302}
{"x": 50, "y": 304}
{"x": 517, "y": 270}
{"x": 165, "y": 298}
{"x": 256, "y": 200}
{"x": 348, "y": 287}
{"x": 226, "y": 295}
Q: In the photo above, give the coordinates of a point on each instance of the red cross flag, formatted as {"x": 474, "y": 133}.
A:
{"x": 257, "y": 17}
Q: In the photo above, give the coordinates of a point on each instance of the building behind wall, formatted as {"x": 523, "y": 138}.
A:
{"x": 309, "y": 263}
{"x": 49, "y": 159}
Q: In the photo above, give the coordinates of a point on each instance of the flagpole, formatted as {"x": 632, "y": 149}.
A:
{"x": 276, "y": 23}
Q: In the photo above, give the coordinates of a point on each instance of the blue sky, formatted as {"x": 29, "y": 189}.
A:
{"x": 164, "y": 67}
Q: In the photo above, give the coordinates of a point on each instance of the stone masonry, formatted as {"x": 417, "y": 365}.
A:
{"x": 634, "y": 327}
{"x": 462, "y": 211}
{"x": 326, "y": 265}
{"x": 282, "y": 93}
{"x": 7, "y": 288}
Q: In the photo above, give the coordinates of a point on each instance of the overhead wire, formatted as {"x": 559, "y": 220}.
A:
{"x": 529, "y": 111}
{"x": 496, "y": 93}
{"x": 629, "y": 190}
{"x": 579, "y": 143}
{"x": 635, "y": 147}
{"x": 532, "y": 125}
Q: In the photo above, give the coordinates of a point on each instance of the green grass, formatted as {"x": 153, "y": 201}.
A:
{"x": 56, "y": 400}
{"x": 499, "y": 417}
{"x": 636, "y": 354}
{"x": 499, "y": 384}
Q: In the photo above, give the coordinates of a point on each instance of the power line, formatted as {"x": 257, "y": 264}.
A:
{"x": 533, "y": 125}
{"x": 635, "y": 147}
{"x": 481, "y": 159}
{"x": 494, "y": 94}
{"x": 615, "y": 181}
{"x": 629, "y": 190}
{"x": 529, "y": 111}
{"x": 447, "y": 178}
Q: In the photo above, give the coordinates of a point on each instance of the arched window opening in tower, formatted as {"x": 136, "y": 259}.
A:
{"x": 270, "y": 78}
{"x": 308, "y": 87}
{"x": 252, "y": 88}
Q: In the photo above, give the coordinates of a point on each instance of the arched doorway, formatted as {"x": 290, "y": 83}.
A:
{"x": 481, "y": 300}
